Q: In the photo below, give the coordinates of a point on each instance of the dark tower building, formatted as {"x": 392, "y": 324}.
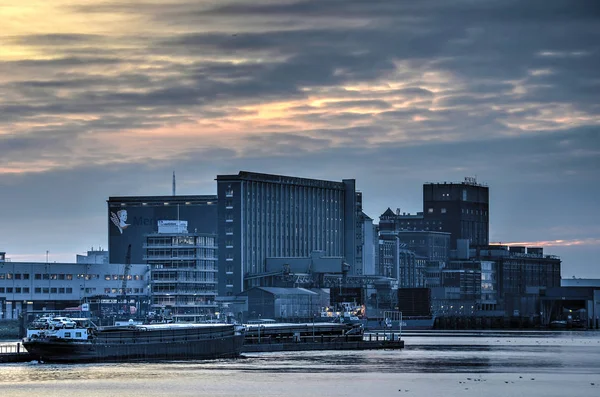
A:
{"x": 130, "y": 219}
{"x": 461, "y": 209}
{"x": 264, "y": 216}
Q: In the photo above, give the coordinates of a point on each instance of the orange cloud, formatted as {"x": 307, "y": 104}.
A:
{"x": 553, "y": 243}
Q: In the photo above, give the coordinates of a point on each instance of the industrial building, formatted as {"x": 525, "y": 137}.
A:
{"x": 284, "y": 304}
{"x": 264, "y": 216}
{"x": 461, "y": 209}
{"x": 50, "y": 287}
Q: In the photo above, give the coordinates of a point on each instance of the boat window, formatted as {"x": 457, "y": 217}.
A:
{"x": 67, "y": 334}
{"x": 78, "y": 334}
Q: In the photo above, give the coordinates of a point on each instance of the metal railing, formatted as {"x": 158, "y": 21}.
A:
{"x": 13, "y": 349}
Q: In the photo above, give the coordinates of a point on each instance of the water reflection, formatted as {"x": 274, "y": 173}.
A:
{"x": 515, "y": 353}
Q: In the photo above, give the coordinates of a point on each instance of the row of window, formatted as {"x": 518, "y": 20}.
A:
{"x": 120, "y": 290}
{"x": 25, "y": 290}
{"x": 182, "y": 240}
{"x": 109, "y": 277}
{"x": 62, "y": 276}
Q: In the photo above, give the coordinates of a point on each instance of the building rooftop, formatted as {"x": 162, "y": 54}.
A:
{"x": 281, "y": 179}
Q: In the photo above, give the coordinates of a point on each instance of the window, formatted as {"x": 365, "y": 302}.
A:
{"x": 69, "y": 290}
{"x": 443, "y": 210}
{"x": 26, "y": 290}
{"x": 9, "y": 290}
{"x": 17, "y": 276}
{"x": 37, "y": 276}
{"x": 61, "y": 290}
{"x": 430, "y": 210}
{"x": 38, "y": 291}
{"x": 17, "y": 290}
{"x": 1, "y": 290}
{"x": 67, "y": 334}
{"x": 69, "y": 277}
{"x": 26, "y": 276}
{"x": 53, "y": 290}
{"x": 46, "y": 276}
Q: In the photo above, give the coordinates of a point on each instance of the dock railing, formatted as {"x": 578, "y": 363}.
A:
{"x": 393, "y": 317}
{"x": 16, "y": 348}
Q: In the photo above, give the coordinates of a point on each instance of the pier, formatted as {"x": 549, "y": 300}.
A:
{"x": 14, "y": 354}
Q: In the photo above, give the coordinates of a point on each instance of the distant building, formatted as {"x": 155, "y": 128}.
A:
{"x": 183, "y": 270}
{"x": 262, "y": 216}
{"x": 461, "y": 209}
{"x": 434, "y": 246}
{"x": 393, "y": 222}
{"x": 51, "y": 287}
{"x": 366, "y": 244}
{"x": 284, "y": 304}
{"x": 523, "y": 275}
{"x": 408, "y": 268}
{"x": 459, "y": 291}
{"x": 94, "y": 256}
{"x": 130, "y": 219}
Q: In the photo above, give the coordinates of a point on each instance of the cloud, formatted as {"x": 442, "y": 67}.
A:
{"x": 393, "y": 93}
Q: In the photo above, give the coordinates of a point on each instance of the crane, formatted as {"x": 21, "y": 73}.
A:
{"x": 126, "y": 270}
{"x": 125, "y": 277}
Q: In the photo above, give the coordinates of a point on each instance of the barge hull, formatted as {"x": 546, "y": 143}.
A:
{"x": 74, "y": 352}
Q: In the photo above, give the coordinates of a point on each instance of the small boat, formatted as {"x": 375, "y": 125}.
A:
{"x": 134, "y": 342}
{"x": 558, "y": 324}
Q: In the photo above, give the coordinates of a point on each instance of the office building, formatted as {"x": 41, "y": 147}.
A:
{"x": 183, "y": 271}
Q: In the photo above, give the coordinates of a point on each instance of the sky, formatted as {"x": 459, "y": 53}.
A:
{"x": 108, "y": 98}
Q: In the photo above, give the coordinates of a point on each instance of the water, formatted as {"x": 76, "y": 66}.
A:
{"x": 432, "y": 364}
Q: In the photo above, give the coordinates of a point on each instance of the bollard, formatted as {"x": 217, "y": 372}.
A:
{"x": 18, "y": 348}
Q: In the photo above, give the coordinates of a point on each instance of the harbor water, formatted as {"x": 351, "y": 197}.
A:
{"x": 432, "y": 364}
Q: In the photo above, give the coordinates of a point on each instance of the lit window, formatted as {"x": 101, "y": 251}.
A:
{"x": 443, "y": 210}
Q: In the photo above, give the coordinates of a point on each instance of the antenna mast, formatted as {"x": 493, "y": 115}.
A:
{"x": 174, "y": 183}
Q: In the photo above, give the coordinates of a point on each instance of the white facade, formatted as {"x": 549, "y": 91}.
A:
{"x": 27, "y": 286}
{"x": 183, "y": 272}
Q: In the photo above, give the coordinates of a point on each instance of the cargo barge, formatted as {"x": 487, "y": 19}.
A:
{"x": 315, "y": 336}
{"x": 135, "y": 343}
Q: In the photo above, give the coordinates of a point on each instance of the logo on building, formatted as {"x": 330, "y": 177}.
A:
{"x": 120, "y": 220}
